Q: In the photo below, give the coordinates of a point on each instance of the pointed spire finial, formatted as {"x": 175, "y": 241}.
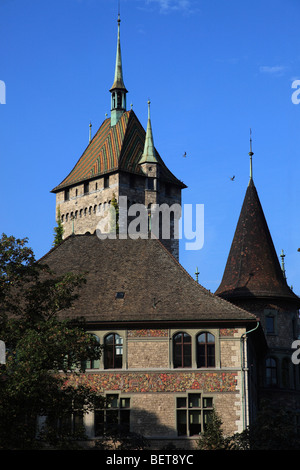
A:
{"x": 118, "y": 78}
{"x": 149, "y": 154}
{"x": 282, "y": 256}
{"x": 250, "y": 155}
{"x": 90, "y": 132}
{"x": 118, "y": 90}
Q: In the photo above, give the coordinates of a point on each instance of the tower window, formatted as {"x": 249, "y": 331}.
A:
{"x": 270, "y": 325}
{"x": 106, "y": 181}
{"x": 150, "y": 184}
{"x": 119, "y": 100}
{"x": 271, "y": 372}
{"x": 86, "y": 188}
{"x": 67, "y": 194}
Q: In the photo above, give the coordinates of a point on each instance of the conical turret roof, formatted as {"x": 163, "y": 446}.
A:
{"x": 253, "y": 268}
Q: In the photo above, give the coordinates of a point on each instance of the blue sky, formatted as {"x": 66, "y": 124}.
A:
{"x": 212, "y": 69}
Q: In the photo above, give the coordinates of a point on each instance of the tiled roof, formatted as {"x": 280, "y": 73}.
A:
{"x": 253, "y": 267}
{"x": 114, "y": 148}
{"x": 156, "y": 287}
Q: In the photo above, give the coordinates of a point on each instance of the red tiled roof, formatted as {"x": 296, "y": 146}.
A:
{"x": 114, "y": 148}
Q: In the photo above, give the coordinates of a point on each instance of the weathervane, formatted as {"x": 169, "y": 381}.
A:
{"x": 250, "y": 155}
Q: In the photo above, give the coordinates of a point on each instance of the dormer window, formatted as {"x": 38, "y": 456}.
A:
{"x": 120, "y": 295}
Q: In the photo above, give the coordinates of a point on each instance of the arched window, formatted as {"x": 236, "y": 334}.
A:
{"x": 93, "y": 363}
{"x": 271, "y": 372}
{"x": 119, "y": 100}
{"x": 113, "y": 351}
{"x": 205, "y": 350}
{"x": 182, "y": 350}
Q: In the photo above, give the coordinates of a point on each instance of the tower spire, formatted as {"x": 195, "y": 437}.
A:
{"x": 282, "y": 256}
{"x": 118, "y": 90}
{"x": 149, "y": 154}
{"x": 250, "y": 155}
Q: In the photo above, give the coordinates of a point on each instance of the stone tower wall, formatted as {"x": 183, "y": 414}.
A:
{"x": 84, "y": 210}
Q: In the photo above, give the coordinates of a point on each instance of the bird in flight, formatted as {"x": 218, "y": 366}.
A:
{"x": 232, "y": 178}
{"x": 184, "y": 154}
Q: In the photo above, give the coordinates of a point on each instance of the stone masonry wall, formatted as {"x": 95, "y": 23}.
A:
{"x": 83, "y": 212}
{"x": 153, "y": 385}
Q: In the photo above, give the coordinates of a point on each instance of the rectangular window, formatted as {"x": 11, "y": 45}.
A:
{"x": 114, "y": 417}
{"x": 192, "y": 414}
{"x": 67, "y": 194}
{"x": 86, "y": 188}
{"x": 106, "y": 181}
{"x": 150, "y": 184}
{"x": 270, "y": 325}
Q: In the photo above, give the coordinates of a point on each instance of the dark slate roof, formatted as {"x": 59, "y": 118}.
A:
{"x": 114, "y": 148}
{"x": 156, "y": 286}
{"x": 252, "y": 267}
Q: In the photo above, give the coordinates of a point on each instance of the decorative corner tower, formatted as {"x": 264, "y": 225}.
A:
{"x": 254, "y": 280}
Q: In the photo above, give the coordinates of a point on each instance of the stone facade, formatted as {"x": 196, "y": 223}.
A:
{"x": 86, "y": 207}
{"x": 153, "y": 386}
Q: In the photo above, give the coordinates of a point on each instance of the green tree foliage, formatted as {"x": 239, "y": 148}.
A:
{"x": 114, "y": 216}
{"x": 273, "y": 429}
{"x": 212, "y": 438}
{"x": 42, "y": 351}
{"x": 119, "y": 438}
{"x": 58, "y": 230}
